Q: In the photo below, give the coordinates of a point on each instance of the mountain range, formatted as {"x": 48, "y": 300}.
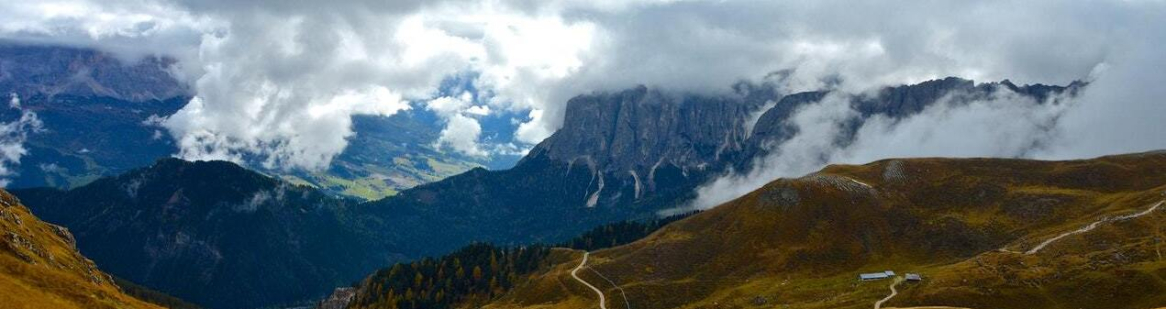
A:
{"x": 200, "y": 231}
{"x": 223, "y": 236}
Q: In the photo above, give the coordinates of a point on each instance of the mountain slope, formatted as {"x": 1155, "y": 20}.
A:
{"x": 964, "y": 224}
{"x": 41, "y": 268}
{"x": 215, "y": 234}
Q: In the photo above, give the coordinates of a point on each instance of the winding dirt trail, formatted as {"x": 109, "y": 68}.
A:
{"x": 879, "y": 304}
{"x": 1092, "y": 226}
{"x": 575, "y": 273}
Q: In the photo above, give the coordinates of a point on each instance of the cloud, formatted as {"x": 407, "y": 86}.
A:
{"x": 1113, "y": 115}
{"x": 1005, "y": 125}
{"x": 13, "y": 134}
{"x": 279, "y": 82}
{"x": 1123, "y": 109}
{"x": 269, "y": 74}
{"x": 462, "y": 134}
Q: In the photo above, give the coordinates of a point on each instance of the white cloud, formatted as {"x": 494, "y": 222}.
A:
{"x": 462, "y": 135}
{"x": 280, "y": 80}
{"x": 462, "y": 132}
{"x": 478, "y": 110}
{"x": 13, "y": 134}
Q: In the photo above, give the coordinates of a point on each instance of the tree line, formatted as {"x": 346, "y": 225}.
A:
{"x": 478, "y": 273}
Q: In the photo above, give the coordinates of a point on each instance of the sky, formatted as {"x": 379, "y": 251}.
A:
{"x": 280, "y": 80}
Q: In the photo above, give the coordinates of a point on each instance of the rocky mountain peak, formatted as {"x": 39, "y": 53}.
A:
{"x": 640, "y": 129}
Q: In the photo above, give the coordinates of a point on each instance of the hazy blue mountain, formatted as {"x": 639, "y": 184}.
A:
{"x": 95, "y": 109}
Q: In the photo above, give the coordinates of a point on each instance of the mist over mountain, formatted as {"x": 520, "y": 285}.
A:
{"x": 102, "y": 116}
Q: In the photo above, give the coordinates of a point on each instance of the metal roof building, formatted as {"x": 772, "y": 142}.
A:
{"x": 876, "y": 276}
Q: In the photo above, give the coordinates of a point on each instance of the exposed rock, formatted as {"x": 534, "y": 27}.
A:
{"x": 843, "y": 183}
{"x": 339, "y": 299}
{"x": 894, "y": 171}
{"x": 64, "y": 234}
{"x": 19, "y": 246}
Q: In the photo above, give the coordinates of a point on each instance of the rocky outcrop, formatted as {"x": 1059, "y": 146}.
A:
{"x": 339, "y": 299}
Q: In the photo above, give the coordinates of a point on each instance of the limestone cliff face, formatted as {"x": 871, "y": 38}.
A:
{"x": 628, "y": 137}
{"x": 636, "y": 129}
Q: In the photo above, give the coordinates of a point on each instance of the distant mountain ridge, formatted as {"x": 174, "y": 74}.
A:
{"x": 893, "y": 102}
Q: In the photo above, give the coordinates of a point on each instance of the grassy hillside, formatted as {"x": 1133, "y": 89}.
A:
{"x": 966, "y": 225}
{"x": 41, "y": 268}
